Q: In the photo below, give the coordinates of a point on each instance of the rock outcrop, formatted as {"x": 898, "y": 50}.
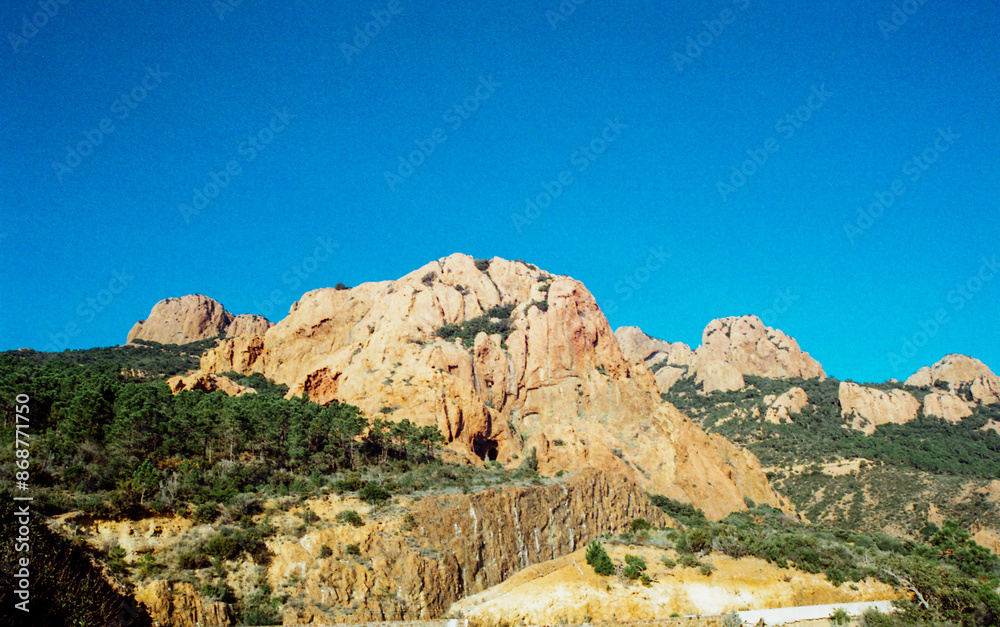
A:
{"x": 182, "y": 320}
{"x": 718, "y": 376}
{"x": 960, "y": 373}
{"x": 868, "y": 408}
{"x": 947, "y": 406}
{"x": 454, "y": 546}
{"x": 248, "y": 325}
{"x": 781, "y": 407}
{"x": 753, "y": 348}
{"x": 557, "y": 383}
{"x": 180, "y": 605}
{"x": 208, "y": 383}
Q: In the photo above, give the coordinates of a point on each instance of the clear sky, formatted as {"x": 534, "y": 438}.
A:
{"x": 833, "y": 169}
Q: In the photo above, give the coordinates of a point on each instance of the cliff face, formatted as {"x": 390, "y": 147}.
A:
{"x": 192, "y": 318}
{"x": 558, "y": 383}
{"x": 869, "y": 407}
{"x": 753, "y": 348}
{"x": 731, "y": 348}
{"x": 454, "y": 546}
{"x": 960, "y": 372}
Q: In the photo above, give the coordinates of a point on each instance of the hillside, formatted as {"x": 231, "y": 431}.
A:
{"x": 894, "y": 457}
{"x": 452, "y": 440}
{"x": 503, "y": 358}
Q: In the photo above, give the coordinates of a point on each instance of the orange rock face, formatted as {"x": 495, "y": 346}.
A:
{"x": 869, "y": 407}
{"x": 181, "y": 320}
{"x": 192, "y": 318}
{"x": 753, "y": 348}
{"x": 558, "y": 383}
{"x": 960, "y": 371}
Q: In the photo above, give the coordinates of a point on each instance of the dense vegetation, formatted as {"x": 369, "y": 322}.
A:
{"x": 145, "y": 359}
{"x": 108, "y": 444}
{"x": 111, "y": 443}
{"x": 817, "y": 434}
{"x": 946, "y": 577}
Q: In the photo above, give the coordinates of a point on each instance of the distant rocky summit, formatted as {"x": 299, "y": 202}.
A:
{"x": 192, "y": 318}
{"x": 754, "y": 348}
{"x": 731, "y": 348}
{"x": 508, "y": 361}
{"x": 960, "y": 374}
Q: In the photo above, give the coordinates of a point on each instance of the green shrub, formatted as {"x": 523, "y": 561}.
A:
{"x": 496, "y": 321}
{"x": 352, "y": 549}
{"x": 840, "y": 616}
{"x": 706, "y": 569}
{"x": 667, "y": 562}
{"x": 350, "y": 517}
{"x": 634, "y": 565}
{"x": 217, "y": 592}
{"x": 482, "y": 264}
{"x": 597, "y": 557}
{"x": 699, "y": 540}
{"x": 684, "y": 513}
{"x": 373, "y": 494}
{"x": 325, "y": 551}
{"x": 192, "y": 560}
{"x": 309, "y": 516}
{"x": 147, "y": 565}
{"x": 640, "y": 524}
{"x": 206, "y": 513}
{"x": 872, "y": 617}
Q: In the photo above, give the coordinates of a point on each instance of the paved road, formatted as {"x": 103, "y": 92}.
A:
{"x": 783, "y": 615}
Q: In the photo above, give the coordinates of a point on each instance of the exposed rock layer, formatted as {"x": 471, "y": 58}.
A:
{"x": 558, "y": 383}
{"x": 457, "y": 545}
{"x": 753, "y": 348}
{"x": 868, "y": 407}
{"x": 192, "y": 318}
{"x": 960, "y": 373}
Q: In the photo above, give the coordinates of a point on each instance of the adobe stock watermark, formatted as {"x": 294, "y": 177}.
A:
{"x": 714, "y": 28}
{"x": 32, "y": 24}
{"x": 246, "y": 151}
{"x": 580, "y": 159}
{"x": 913, "y": 168}
{"x": 899, "y": 16}
{"x": 956, "y": 299}
{"x": 786, "y": 126}
{"x": 363, "y": 35}
{"x": 562, "y": 12}
{"x": 783, "y": 301}
{"x": 121, "y": 107}
{"x": 296, "y": 275}
{"x": 454, "y": 116}
{"x": 222, "y": 7}
{"x": 88, "y": 309}
{"x": 633, "y": 281}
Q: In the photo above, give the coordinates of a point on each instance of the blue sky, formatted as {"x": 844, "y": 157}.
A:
{"x": 830, "y": 168}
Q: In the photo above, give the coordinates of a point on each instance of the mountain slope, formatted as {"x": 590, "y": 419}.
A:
{"x": 529, "y": 363}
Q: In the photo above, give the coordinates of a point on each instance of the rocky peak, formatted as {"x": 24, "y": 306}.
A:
{"x": 192, "y": 318}
{"x": 959, "y": 373}
{"x": 868, "y": 407}
{"x": 248, "y": 325}
{"x": 546, "y": 378}
{"x": 753, "y": 348}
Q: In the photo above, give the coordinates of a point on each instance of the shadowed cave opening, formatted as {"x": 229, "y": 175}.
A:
{"x": 484, "y": 448}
